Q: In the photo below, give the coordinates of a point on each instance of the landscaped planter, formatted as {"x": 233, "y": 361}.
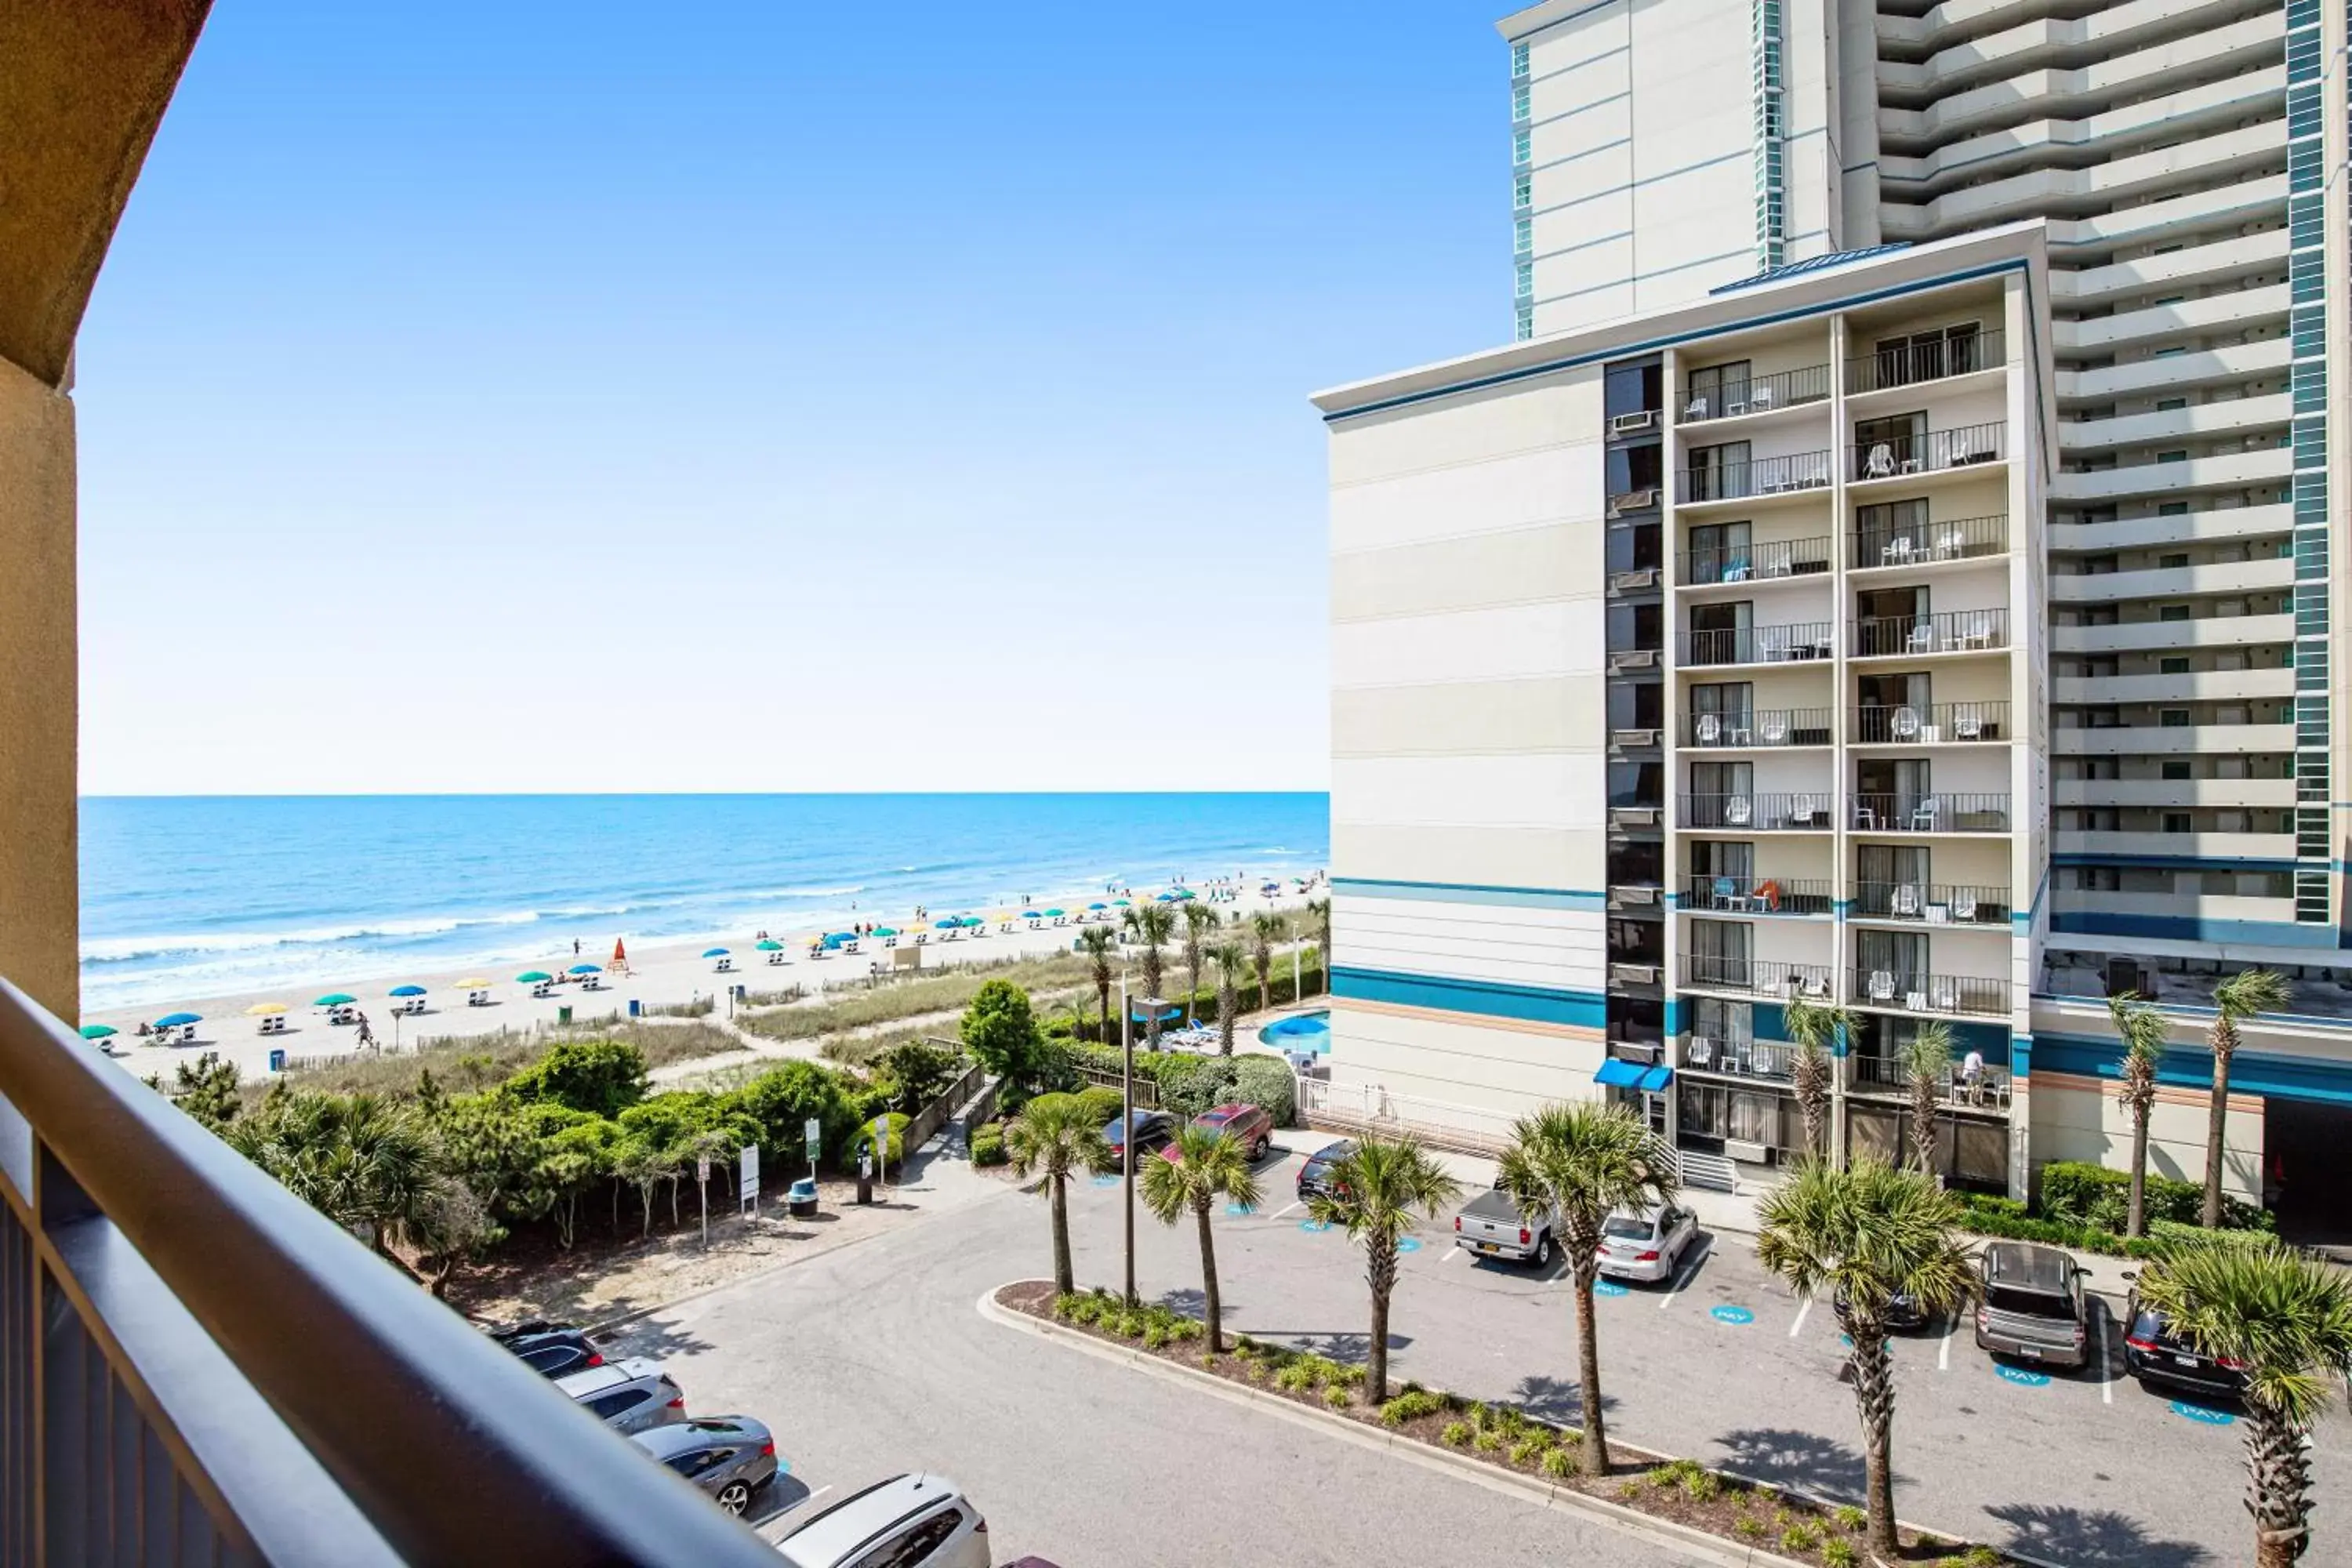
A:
{"x": 1681, "y": 1492}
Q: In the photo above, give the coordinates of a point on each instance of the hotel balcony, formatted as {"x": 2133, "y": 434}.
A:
{"x": 1917, "y": 363}
{"x": 1931, "y": 451}
{"x": 1758, "y": 644}
{"x": 2193, "y": 686}
{"x": 1765, "y": 561}
{"x": 1778, "y": 811}
{"x": 1971, "y": 811}
{"x": 2278, "y": 794}
{"x": 1756, "y": 728}
{"x": 2171, "y": 637}
{"x": 1932, "y": 724}
{"x": 2144, "y": 739}
{"x": 1951, "y": 996}
{"x": 1757, "y": 977}
{"x": 1887, "y": 1076}
{"x": 1759, "y": 394}
{"x": 1919, "y": 544}
{"x": 1920, "y": 637}
{"x": 2163, "y": 847}
{"x": 1931, "y": 903}
{"x": 2267, "y": 574}
{"x": 203, "y": 1368}
{"x": 1735, "y": 1059}
{"x": 1758, "y": 896}
{"x": 1758, "y": 477}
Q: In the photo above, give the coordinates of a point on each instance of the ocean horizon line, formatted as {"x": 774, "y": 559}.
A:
{"x": 707, "y": 795}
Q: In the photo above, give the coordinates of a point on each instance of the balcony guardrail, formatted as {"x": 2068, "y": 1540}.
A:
{"x": 1888, "y": 1075}
{"x": 1923, "y": 543}
{"x": 1948, "y": 631}
{"x": 1737, "y": 1058}
{"x": 1918, "y": 362}
{"x": 1758, "y": 977}
{"x": 1758, "y": 645}
{"x": 203, "y": 1367}
{"x": 1759, "y": 727}
{"x": 1931, "y": 903}
{"x": 1931, "y": 723}
{"x": 1758, "y": 394}
{"x": 1757, "y": 477}
{"x": 1797, "y": 810}
{"x": 1926, "y": 453}
{"x": 1774, "y": 558}
{"x": 1758, "y": 895}
{"x": 1958, "y": 995}
{"x": 1944, "y": 811}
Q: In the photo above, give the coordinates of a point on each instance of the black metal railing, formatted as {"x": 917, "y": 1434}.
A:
{"x": 1753, "y": 563}
{"x": 1891, "y": 457}
{"x": 1931, "y": 723}
{"x": 1758, "y": 393}
{"x": 202, "y": 1367}
{"x": 1931, "y": 903}
{"x": 1758, "y": 644}
{"x": 1756, "y": 477}
{"x": 1873, "y": 1074}
{"x": 1949, "y": 631}
{"x": 1759, "y": 727}
{"x": 1773, "y": 813}
{"x": 1737, "y": 1059}
{"x": 1939, "y": 812}
{"x": 1926, "y": 360}
{"x": 1912, "y": 992}
{"x": 1920, "y": 543}
{"x": 1758, "y": 895}
{"x": 1756, "y": 976}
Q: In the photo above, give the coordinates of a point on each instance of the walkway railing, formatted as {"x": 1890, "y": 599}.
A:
{"x": 1973, "y": 812}
{"x": 1771, "y": 558}
{"x": 1759, "y": 727}
{"x": 1931, "y": 903}
{"x": 1737, "y": 1059}
{"x": 1758, "y": 393}
{"x": 1756, "y": 477}
{"x": 1924, "y": 543}
{"x": 1776, "y": 812}
{"x": 1924, "y": 453}
{"x": 1756, "y": 976}
{"x": 1951, "y": 631}
{"x": 1931, "y": 723}
{"x": 1912, "y": 993}
{"x": 1888, "y": 1075}
{"x": 1758, "y": 895}
{"x": 1929, "y": 359}
{"x": 200, "y": 1367}
{"x": 1758, "y": 644}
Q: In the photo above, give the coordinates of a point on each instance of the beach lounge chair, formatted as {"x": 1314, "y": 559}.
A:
{"x": 541, "y": 992}
{"x": 478, "y": 998}
{"x": 778, "y": 956}
{"x": 587, "y": 982}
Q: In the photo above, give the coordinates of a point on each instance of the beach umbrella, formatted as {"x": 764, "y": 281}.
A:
{"x": 945, "y": 925}
{"x": 970, "y": 921}
{"x": 1180, "y": 893}
{"x": 583, "y": 969}
{"x": 884, "y": 931}
{"x": 714, "y": 952}
{"x": 265, "y": 1009}
{"x": 1032, "y": 915}
{"x": 770, "y": 945}
{"x": 533, "y": 977}
{"x": 1167, "y": 899}
{"x": 178, "y": 1020}
{"x": 1098, "y": 906}
{"x": 473, "y": 982}
{"x": 97, "y": 1031}
{"x": 335, "y": 999}
{"x": 407, "y": 990}
{"x": 1123, "y": 903}
{"x": 1053, "y": 914}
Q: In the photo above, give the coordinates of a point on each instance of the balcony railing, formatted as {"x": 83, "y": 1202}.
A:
{"x": 1931, "y": 903}
{"x": 1760, "y": 727}
{"x": 1762, "y": 563}
{"x": 1921, "y": 543}
{"x": 1758, "y": 895}
{"x": 1737, "y": 1059}
{"x": 1959, "y": 994}
{"x": 1931, "y": 360}
{"x": 1756, "y": 477}
{"x": 1758, "y": 644}
{"x": 203, "y": 1368}
{"x": 1951, "y": 631}
{"x": 1775, "y": 813}
{"x": 1889, "y": 1075}
{"x": 1756, "y": 976}
{"x": 1972, "y": 812}
{"x": 1924, "y": 453}
{"x": 1781, "y": 389}
{"x": 1931, "y": 723}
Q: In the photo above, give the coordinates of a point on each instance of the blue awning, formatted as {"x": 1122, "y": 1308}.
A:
{"x": 1657, "y": 1079}
{"x": 1621, "y": 1074}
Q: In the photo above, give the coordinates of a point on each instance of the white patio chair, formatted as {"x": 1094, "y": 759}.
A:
{"x": 1776, "y": 732}
{"x": 1922, "y": 816}
{"x": 1922, "y": 639}
{"x": 1964, "y": 907}
{"x": 1895, "y": 552}
{"x": 1905, "y": 724}
{"x": 1977, "y": 631}
{"x": 1865, "y": 817}
{"x": 1967, "y": 725}
{"x": 1695, "y": 409}
{"x": 1709, "y": 729}
{"x": 1738, "y": 811}
{"x": 1950, "y": 543}
{"x": 1881, "y": 985}
{"x": 1907, "y": 901}
{"x": 1759, "y": 400}
{"x": 1805, "y": 812}
{"x": 1880, "y": 465}
{"x": 1944, "y": 996}
{"x": 1817, "y": 986}
{"x": 1702, "y": 1052}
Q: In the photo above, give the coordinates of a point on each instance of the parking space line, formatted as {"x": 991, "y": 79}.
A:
{"x": 1944, "y": 1351}
{"x": 1688, "y": 1267}
{"x": 1451, "y": 1254}
{"x": 1803, "y": 1307}
{"x": 2107, "y": 1373}
{"x": 1279, "y": 1213}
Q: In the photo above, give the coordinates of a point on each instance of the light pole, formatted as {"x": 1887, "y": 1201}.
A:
{"x": 1152, "y": 1008}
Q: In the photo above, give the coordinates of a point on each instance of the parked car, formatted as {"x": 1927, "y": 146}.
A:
{"x": 552, "y": 1349}
{"x": 628, "y": 1395}
{"x": 1490, "y": 1225}
{"x": 907, "y": 1522}
{"x": 1646, "y": 1245}
{"x": 730, "y": 1456}
{"x": 1314, "y": 1176}
{"x": 1152, "y": 1130}
{"x": 2154, "y": 1354}
{"x": 1904, "y": 1313}
{"x": 2033, "y": 1308}
{"x": 1247, "y": 1125}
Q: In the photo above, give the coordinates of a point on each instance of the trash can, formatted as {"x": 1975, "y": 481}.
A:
{"x": 739, "y": 993}
{"x": 802, "y": 1198}
{"x": 278, "y": 1059}
{"x": 563, "y": 1014}
{"x": 865, "y": 1178}
{"x": 633, "y": 1007}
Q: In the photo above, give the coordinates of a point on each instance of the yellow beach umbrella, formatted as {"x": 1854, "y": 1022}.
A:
{"x": 474, "y": 983}
{"x": 265, "y": 1009}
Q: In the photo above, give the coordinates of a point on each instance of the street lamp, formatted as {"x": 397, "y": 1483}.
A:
{"x": 1153, "y": 1008}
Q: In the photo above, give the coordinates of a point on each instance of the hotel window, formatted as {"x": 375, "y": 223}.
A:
{"x": 2169, "y": 562}
{"x": 2172, "y": 612}
{"x": 2172, "y": 509}
{"x": 1519, "y": 103}
{"x": 2174, "y": 772}
{"x": 1523, "y": 236}
{"x": 1526, "y": 280}
{"x": 1518, "y": 59}
{"x": 1521, "y": 148}
{"x": 2179, "y": 455}
{"x": 2177, "y": 822}
{"x": 2168, "y": 405}
{"x": 2172, "y": 664}
{"x": 2173, "y": 718}
{"x": 1523, "y": 192}
{"x": 1715, "y": 390}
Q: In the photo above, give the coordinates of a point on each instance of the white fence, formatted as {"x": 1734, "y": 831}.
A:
{"x": 1370, "y": 1108}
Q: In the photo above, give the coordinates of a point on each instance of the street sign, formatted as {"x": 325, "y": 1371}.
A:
{"x": 812, "y": 1139}
{"x": 702, "y": 1168}
{"x": 882, "y": 1144}
{"x": 751, "y": 1187}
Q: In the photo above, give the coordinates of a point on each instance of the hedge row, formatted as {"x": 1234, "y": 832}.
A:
{"x": 1201, "y": 1005}
{"x": 2076, "y": 1191}
{"x": 1190, "y": 1084}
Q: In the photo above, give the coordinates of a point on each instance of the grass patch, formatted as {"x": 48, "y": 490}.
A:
{"x": 466, "y": 1063}
{"x": 894, "y": 999}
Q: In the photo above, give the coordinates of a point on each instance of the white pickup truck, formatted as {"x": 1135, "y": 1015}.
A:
{"x": 1490, "y": 1227}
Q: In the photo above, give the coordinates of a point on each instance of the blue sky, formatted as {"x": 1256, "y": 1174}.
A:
{"x": 774, "y": 396}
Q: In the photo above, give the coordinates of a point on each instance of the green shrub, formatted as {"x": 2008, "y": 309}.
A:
{"x": 785, "y": 1098}
{"x": 895, "y": 1150}
{"x": 1530, "y": 1448}
{"x": 988, "y": 1148}
{"x": 1456, "y": 1434}
{"x": 1099, "y": 1104}
{"x": 1799, "y": 1537}
{"x": 1630, "y": 1489}
{"x": 1338, "y": 1398}
{"x": 1748, "y": 1528}
{"x": 1297, "y": 1378}
{"x": 1412, "y": 1404}
{"x": 1702, "y": 1486}
{"x": 1838, "y": 1554}
{"x": 1850, "y": 1519}
{"x": 1488, "y": 1441}
{"x": 602, "y": 1077}
{"x": 1559, "y": 1463}
{"x": 1267, "y": 1083}
{"x": 1980, "y": 1557}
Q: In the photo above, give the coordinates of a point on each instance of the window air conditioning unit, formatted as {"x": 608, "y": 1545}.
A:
{"x": 1633, "y": 501}
{"x": 1634, "y": 974}
{"x": 1746, "y": 1153}
{"x": 1633, "y": 737}
{"x": 1633, "y": 582}
{"x": 1633, "y": 658}
{"x": 1625, "y": 424}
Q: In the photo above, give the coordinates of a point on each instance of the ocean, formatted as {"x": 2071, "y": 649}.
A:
{"x": 190, "y": 896}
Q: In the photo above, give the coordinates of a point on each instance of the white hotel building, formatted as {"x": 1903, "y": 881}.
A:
{"x": 1889, "y": 564}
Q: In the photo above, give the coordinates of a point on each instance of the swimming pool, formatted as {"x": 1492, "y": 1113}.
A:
{"x": 1299, "y": 1031}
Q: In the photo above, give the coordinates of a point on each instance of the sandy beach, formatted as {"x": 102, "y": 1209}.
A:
{"x": 656, "y": 976}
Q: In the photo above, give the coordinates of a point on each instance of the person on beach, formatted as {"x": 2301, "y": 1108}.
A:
{"x": 575, "y": 947}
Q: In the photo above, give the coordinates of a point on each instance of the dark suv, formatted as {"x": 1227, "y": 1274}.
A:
{"x": 2154, "y": 1354}
{"x": 2033, "y": 1308}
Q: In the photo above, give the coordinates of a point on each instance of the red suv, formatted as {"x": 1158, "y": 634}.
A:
{"x": 1247, "y": 1125}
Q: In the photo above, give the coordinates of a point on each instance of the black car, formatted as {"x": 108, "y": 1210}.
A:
{"x": 1153, "y": 1130}
{"x": 1903, "y": 1312}
{"x": 553, "y": 1350}
{"x": 1314, "y": 1176}
{"x": 2154, "y": 1354}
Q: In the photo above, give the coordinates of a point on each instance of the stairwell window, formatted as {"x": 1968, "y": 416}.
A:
{"x": 2171, "y": 562}
{"x": 2180, "y": 454}
{"x": 2172, "y": 612}
{"x": 2173, "y": 718}
{"x": 2176, "y": 771}
{"x": 2177, "y": 821}
{"x": 2172, "y": 664}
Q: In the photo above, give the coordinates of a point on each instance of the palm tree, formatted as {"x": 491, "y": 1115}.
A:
{"x": 1581, "y": 1162}
{"x": 1813, "y": 1027}
{"x": 1927, "y": 1058}
{"x": 1865, "y": 1236}
{"x": 1200, "y": 920}
{"x": 1051, "y": 1134}
{"x": 1372, "y": 1195}
{"x": 1266, "y": 929}
{"x": 2142, "y": 1027}
{"x": 1320, "y": 911}
{"x": 1151, "y": 925}
{"x": 2236, "y": 999}
{"x": 1207, "y": 1166}
{"x": 1230, "y": 958}
{"x": 2287, "y": 1319}
{"x": 1100, "y": 945}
